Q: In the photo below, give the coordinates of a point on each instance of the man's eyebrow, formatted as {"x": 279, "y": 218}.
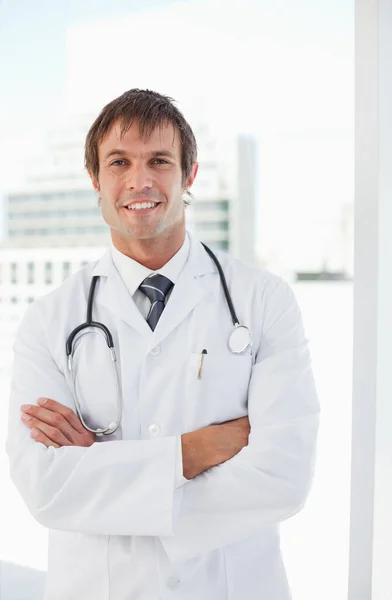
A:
{"x": 115, "y": 151}
{"x": 153, "y": 154}
{"x": 166, "y": 153}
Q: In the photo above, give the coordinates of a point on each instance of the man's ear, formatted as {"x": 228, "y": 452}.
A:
{"x": 94, "y": 180}
{"x": 192, "y": 176}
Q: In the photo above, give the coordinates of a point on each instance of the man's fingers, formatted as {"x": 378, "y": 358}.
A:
{"x": 63, "y": 426}
{"x": 52, "y": 433}
{"x": 55, "y": 414}
{"x": 49, "y": 417}
{"x": 39, "y": 436}
{"x": 65, "y": 411}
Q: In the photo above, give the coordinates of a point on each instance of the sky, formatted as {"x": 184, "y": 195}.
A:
{"x": 282, "y": 71}
{"x": 33, "y": 47}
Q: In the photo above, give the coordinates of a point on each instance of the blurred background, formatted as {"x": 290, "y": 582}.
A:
{"x": 268, "y": 88}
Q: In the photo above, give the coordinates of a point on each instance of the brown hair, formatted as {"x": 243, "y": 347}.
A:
{"x": 150, "y": 110}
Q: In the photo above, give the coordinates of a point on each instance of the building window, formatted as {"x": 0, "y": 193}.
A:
{"x": 14, "y": 273}
{"x": 66, "y": 269}
{"x": 221, "y": 245}
{"x": 218, "y": 205}
{"x": 30, "y": 299}
{"x": 48, "y": 273}
{"x": 213, "y": 225}
{"x": 30, "y": 272}
{"x": 14, "y": 300}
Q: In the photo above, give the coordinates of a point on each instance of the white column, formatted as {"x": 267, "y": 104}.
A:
{"x": 370, "y": 576}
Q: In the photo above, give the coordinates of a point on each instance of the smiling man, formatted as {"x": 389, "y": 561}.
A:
{"x": 141, "y": 172}
{"x": 164, "y": 467}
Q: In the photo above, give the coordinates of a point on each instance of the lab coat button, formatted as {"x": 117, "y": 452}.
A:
{"x": 154, "y": 429}
{"x": 155, "y": 351}
{"x": 173, "y": 583}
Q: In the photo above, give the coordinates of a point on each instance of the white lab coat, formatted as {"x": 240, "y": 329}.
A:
{"x": 119, "y": 527}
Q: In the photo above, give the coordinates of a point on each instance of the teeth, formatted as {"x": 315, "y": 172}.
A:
{"x": 141, "y": 205}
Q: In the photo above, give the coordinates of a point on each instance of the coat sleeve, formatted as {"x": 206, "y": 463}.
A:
{"x": 269, "y": 480}
{"x": 115, "y": 487}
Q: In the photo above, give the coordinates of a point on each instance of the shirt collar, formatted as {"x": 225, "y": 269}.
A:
{"x": 133, "y": 273}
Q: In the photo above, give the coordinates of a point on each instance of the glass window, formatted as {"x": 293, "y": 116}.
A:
{"x": 30, "y": 272}
{"x": 296, "y": 134}
{"x": 14, "y": 273}
{"x": 222, "y": 205}
{"x": 66, "y": 269}
{"x": 48, "y": 273}
{"x": 221, "y": 245}
{"x": 213, "y": 225}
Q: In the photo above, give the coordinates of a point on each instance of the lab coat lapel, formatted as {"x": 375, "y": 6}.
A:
{"x": 113, "y": 295}
{"x": 187, "y": 292}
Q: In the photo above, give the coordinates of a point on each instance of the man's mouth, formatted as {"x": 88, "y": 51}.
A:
{"x": 141, "y": 207}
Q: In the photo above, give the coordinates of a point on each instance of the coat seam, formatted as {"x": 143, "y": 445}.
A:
{"x": 107, "y": 565}
{"x": 225, "y": 565}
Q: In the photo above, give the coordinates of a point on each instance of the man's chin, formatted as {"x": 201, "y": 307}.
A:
{"x": 137, "y": 234}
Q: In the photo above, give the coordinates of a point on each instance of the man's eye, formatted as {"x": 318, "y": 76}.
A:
{"x": 160, "y": 161}
{"x": 118, "y": 163}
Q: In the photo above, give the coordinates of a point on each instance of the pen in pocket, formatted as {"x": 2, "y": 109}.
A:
{"x": 203, "y": 353}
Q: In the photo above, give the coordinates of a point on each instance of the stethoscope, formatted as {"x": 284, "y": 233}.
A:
{"x": 240, "y": 340}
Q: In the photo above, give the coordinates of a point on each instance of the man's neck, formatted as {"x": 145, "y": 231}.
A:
{"x": 152, "y": 253}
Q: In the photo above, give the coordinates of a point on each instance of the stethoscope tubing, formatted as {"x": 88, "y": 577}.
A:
{"x": 113, "y": 426}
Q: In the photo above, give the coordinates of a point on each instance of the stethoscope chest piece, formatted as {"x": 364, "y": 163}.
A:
{"x": 240, "y": 339}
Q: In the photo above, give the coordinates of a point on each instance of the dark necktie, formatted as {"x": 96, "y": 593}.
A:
{"x": 156, "y": 288}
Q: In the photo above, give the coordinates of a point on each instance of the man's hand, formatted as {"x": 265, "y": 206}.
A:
{"x": 213, "y": 445}
{"x": 54, "y": 424}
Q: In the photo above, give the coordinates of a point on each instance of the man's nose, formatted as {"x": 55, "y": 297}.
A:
{"x": 139, "y": 178}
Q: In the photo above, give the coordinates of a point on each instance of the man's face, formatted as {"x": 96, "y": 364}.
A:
{"x": 133, "y": 172}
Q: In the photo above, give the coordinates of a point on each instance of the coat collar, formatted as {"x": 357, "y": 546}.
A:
{"x": 186, "y": 294}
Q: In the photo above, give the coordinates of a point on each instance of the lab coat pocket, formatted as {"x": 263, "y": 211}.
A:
{"x": 217, "y": 388}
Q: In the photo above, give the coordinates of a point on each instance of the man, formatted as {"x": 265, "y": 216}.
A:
{"x": 209, "y": 450}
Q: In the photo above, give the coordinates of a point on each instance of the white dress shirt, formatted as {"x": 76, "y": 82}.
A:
{"x": 133, "y": 274}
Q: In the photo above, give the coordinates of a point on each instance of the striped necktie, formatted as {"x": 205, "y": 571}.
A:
{"x": 156, "y": 288}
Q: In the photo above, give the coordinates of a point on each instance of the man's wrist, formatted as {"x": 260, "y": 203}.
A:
{"x": 194, "y": 453}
